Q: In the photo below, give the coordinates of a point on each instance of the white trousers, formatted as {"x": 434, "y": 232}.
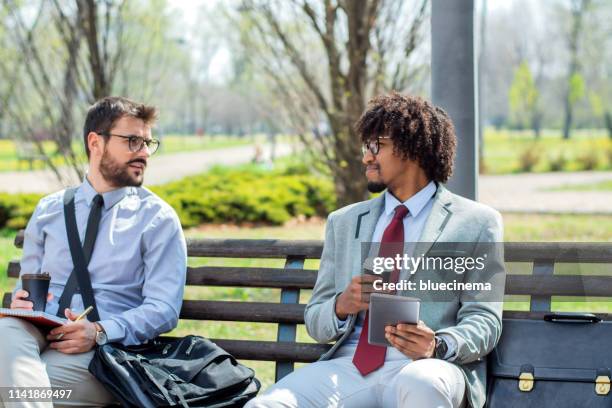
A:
{"x": 427, "y": 383}
{"x": 26, "y": 361}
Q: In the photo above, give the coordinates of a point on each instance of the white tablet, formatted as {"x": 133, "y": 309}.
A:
{"x": 388, "y": 310}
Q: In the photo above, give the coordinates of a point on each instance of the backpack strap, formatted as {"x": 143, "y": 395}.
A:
{"x": 79, "y": 260}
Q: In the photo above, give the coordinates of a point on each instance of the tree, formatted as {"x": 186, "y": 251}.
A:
{"x": 67, "y": 54}
{"x": 324, "y": 59}
{"x": 575, "y": 83}
{"x": 54, "y": 70}
{"x": 524, "y": 100}
{"x": 597, "y": 68}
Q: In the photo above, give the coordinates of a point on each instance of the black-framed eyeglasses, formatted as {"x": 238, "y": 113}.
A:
{"x": 373, "y": 146}
{"x": 136, "y": 143}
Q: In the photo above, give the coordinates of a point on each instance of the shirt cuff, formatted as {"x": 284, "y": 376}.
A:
{"x": 340, "y": 323}
{"x": 114, "y": 331}
{"x": 450, "y": 341}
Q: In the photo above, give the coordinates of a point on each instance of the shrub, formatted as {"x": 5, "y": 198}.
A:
{"x": 248, "y": 196}
{"x": 588, "y": 160}
{"x": 529, "y": 158}
{"x": 236, "y": 195}
{"x": 558, "y": 162}
{"x": 16, "y": 209}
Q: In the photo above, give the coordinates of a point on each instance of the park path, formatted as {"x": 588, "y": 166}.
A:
{"x": 527, "y": 193}
{"x": 507, "y": 193}
{"x": 161, "y": 169}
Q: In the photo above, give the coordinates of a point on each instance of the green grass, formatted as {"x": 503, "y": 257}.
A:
{"x": 605, "y": 185}
{"x": 503, "y": 148}
{"x": 10, "y": 162}
{"x": 554, "y": 227}
{"x": 518, "y": 228}
{"x": 182, "y": 143}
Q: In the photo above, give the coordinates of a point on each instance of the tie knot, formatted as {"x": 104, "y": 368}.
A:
{"x": 98, "y": 200}
{"x": 400, "y": 212}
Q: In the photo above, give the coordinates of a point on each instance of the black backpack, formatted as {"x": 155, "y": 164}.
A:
{"x": 187, "y": 372}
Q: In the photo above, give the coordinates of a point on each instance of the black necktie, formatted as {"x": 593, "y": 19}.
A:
{"x": 93, "y": 222}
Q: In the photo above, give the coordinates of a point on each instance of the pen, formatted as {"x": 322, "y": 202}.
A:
{"x": 79, "y": 317}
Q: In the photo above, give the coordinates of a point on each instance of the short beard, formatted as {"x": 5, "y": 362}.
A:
{"x": 376, "y": 187}
{"x": 116, "y": 174}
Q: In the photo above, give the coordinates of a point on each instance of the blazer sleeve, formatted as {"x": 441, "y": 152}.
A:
{"x": 320, "y": 314}
{"x": 479, "y": 323}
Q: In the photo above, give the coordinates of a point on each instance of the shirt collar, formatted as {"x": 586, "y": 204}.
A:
{"x": 110, "y": 197}
{"x": 415, "y": 203}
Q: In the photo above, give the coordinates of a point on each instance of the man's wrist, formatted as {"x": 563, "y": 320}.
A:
{"x": 440, "y": 349}
{"x": 339, "y": 314}
{"x": 101, "y": 337}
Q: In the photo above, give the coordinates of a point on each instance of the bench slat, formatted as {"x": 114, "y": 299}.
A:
{"x": 6, "y": 300}
{"x": 559, "y": 285}
{"x": 271, "y": 350}
{"x": 242, "y": 311}
{"x": 567, "y": 252}
{"x": 234, "y": 276}
{"x": 274, "y": 248}
{"x": 13, "y": 269}
{"x": 254, "y": 248}
{"x": 252, "y": 277}
{"x": 508, "y": 314}
{"x": 556, "y": 285}
{"x": 516, "y": 314}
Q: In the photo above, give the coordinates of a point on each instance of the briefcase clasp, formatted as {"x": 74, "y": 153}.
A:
{"x": 526, "y": 382}
{"x": 602, "y": 385}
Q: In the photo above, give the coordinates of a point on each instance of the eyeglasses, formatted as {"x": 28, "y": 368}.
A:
{"x": 136, "y": 143}
{"x": 373, "y": 146}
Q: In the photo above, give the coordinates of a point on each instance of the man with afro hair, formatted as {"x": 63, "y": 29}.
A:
{"x": 408, "y": 151}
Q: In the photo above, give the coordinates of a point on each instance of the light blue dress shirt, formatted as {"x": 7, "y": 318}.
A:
{"x": 138, "y": 266}
{"x": 419, "y": 207}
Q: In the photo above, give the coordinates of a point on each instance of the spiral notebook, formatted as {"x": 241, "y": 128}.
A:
{"x": 37, "y": 318}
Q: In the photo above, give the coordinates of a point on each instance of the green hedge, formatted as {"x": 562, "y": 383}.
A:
{"x": 250, "y": 195}
{"x": 243, "y": 195}
{"x": 16, "y": 209}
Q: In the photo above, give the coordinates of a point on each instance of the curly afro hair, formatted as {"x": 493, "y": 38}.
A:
{"x": 419, "y": 130}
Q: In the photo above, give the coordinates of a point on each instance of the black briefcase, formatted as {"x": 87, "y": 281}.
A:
{"x": 563, "y": 360}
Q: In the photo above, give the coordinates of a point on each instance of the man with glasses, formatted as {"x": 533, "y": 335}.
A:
{"x": 408, "y": 152}
{"x": 137, "y": 268}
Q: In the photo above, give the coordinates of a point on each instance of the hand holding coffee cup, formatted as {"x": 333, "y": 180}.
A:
{"x": 34, "y": 294}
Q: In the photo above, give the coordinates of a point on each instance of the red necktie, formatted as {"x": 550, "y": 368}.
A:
{"x": 370, "y": 357}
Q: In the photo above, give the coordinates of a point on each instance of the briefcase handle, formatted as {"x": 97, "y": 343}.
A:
{"x": 567, "y": 317}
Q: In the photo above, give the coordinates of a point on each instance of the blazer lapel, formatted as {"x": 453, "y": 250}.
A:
{"x": 365, "y": 223}
{"x": 437, "y": 220}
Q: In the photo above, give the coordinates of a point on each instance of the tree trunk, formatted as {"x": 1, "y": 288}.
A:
{"x": 536, "y": 124}
{"x": 350, "y": 185}
{"x": 608, "y": 120}
{"x": 567, "y": 121}
{"x": 579, "y": 8}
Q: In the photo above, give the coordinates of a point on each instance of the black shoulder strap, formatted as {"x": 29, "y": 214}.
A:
{"x": 78, "y": 256}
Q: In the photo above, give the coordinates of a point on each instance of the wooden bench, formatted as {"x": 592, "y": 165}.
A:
{"x": 541, "y": 285}
{"x": 27, "y": 151}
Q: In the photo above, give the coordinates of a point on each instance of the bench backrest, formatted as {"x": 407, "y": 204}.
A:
{"x": 541, "y": 285}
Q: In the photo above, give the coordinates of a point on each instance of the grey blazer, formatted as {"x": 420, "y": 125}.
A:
{"x": 476, "y": 326}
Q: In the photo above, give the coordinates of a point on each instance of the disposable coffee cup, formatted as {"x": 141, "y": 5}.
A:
{"x": 37, "y": 286}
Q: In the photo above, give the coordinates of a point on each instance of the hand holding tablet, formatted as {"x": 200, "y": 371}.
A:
{"x": 391, "y": 310}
